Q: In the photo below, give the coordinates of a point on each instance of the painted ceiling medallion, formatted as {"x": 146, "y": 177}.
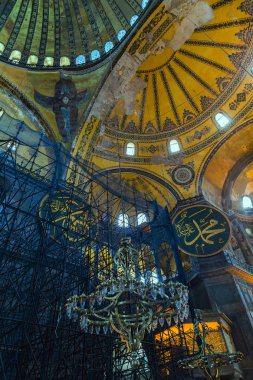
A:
{"x": 183, "y": 175}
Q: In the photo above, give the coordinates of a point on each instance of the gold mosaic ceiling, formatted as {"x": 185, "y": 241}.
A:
{"x": 53, "y": 33}
{"x": 185, "y": 87}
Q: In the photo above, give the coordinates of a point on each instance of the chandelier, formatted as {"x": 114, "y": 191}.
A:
{"x": 129, "y": 303}
{"x": 207, "y": 359}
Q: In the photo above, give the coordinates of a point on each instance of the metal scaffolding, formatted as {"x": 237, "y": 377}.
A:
{"x": 58, "y": 235}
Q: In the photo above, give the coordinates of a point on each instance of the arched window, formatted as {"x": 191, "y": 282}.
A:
{"x": 222, "y": 120}
{"x": 123, "y": 220}
{"x": 64, "y": 61}
{"x": 121, "y": 34}
{"x": 15, "y": 56}
{"x": 174, "y": 146}
{"x": 133, "y": 19}
{"x": 32, "y": 60}
{"x": 1, "y": 48}
{"x": 141, "y": 218}
{"x": 144, "y": 3}
{"x": 94, "y": 55}
{"x": 49, "y": 61}
{"x": 108, "y": 46}
{"x": 247, "y": 202}
{"x": 80, "y": 59}
{"x": 12, "y": 145}
{"x": 130, "y": 149}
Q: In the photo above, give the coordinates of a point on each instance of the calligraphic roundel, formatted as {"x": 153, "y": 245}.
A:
{"x": 201, "y": 230}
{"x": 68, "y": 217}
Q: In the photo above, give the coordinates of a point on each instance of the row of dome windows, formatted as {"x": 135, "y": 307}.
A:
{"x": 222, "y": 120}
{"x": 173, "y": 147}
{"x": 123, "y": 220}
{"x": 15, "y": 55}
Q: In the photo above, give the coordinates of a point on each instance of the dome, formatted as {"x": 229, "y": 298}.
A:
{"x": 50, "y": 34}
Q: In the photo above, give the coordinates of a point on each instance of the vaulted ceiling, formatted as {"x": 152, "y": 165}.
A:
{"x": 53, "y": 33}
{"x": 185, "y": 85}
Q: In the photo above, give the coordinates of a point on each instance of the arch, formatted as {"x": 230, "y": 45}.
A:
{"x": 177, "y": 196}
{"x": 217, "y": 175}
{"x": 130, "y": 149}
{"x": 174, "y": 146}
{"x": 80, "y": 59}
{"x": 108, "y": 46}
{"x": 133, "y": 20}
{"x": 123, "y": 220}
{"x": 121, "y": 34}
{"x": 222, "y": 120}
{"x": 94, "y": 55}
{"x": 27, "y": 108}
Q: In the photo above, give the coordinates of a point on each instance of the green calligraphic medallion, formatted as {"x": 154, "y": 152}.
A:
{"x": 68, "y": 218}
{"x": 202, "y": 230}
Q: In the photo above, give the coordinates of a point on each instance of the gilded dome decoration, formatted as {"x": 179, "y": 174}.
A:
{"x": 189, "y": 64}
{"x": 56, "y": 33}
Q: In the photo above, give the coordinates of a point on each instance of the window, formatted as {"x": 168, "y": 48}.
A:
{"x": 15, "y": 56}
{"x": 48, "y": 61}
{"x": 108, "y": 46}
{"x": 121, "y": 34}
{"x": 32, "y": 60}
{"x": 247, "y": 202}
{"x": 141, "y": 218}
{"x": 80, "y": 59}
{"x": 144, "y": 3}
{"x": 130, "y": 149}
{"x": 222, "y": 120}
{"x": 1, "y": 48}
{"x": 123, "y": 220}
{"x": 94, "y": 55}
{"x": 13, "y": 146}
{"x": 133, "y": 19}
{"x": 64, "y": 61}
{"x": 174, "y": 146}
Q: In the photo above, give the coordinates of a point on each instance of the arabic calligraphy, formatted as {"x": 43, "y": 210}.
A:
{"x": 71, "y": 218}
{"x": 202, "y": 230}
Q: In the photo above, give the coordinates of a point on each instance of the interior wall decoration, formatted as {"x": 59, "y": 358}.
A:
{"x": 94, "y": 277}
{"x": 70, "y": 213}
{"x": 202, "y": 230}
{"x": 64, "y": 104}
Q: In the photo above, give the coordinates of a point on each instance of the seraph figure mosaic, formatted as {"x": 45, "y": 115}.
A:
{"x": 65, "y": 105}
